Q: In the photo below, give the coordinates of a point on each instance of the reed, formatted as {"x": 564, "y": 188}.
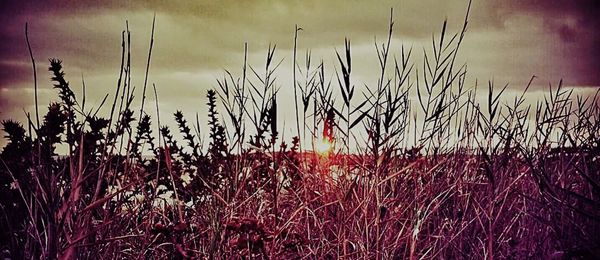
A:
{"x": 521, "y": 181}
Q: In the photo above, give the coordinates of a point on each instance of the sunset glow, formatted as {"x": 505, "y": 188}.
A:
{"x": 324, "y": 147}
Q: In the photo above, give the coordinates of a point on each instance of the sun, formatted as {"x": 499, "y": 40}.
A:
{"x": 323, "y": 147}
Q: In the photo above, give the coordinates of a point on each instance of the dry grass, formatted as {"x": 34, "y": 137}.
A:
{"x": 505, "y": 189}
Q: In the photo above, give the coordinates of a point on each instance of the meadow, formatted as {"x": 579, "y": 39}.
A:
{"x": 361, "y": 177}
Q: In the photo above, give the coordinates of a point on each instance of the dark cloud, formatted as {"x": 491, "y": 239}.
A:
{"x": 195, "y": 40}
{"x": 12, "y": 74}
{"x": 567, "y": 33}
{"x": 574, "y": 23}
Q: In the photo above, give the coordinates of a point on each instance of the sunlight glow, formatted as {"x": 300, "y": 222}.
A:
{"x": 323, "y": 147}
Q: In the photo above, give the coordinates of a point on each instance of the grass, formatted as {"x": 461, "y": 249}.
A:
{"x": 521, "y": 181}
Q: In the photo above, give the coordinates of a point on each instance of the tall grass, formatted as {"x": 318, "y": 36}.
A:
{"x": 520, "y": 181}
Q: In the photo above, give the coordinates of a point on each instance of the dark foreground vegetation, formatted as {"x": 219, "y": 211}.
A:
{"x": 517, "y": 181}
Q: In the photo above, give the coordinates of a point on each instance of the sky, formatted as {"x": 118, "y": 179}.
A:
{"x": 507, "y": 41}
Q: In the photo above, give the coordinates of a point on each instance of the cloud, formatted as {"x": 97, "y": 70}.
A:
{"x": 507, "y": 41}
{"x": 574, "y": 24}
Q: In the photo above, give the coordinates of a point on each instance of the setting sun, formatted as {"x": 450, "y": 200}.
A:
{"x": 323, "y": 147}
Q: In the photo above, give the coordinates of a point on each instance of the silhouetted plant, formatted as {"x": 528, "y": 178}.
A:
{"x": 218, "y": 145}
{"x": 515, "y": 173}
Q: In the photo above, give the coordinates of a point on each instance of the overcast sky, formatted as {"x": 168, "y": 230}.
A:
{"x": 507, "y": 41}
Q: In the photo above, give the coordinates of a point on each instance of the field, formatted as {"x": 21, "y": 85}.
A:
{"x": 414, "y": 167}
